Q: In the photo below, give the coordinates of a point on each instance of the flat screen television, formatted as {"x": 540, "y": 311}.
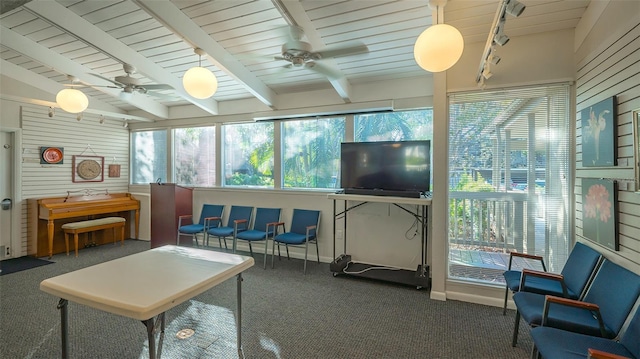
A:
{"x": 386, "y": 168}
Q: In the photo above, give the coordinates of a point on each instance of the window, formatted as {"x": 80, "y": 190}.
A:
{"x": 311, "y": 152}
{"x": 248, "y": 154}
{"x": 394, "y": 126}
{"x": 508, "y": 179}
{"x": 195, "y": 156}
{"x": 148, "y": 156}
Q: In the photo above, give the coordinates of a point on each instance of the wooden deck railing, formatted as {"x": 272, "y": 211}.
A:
{"x": 496, "y": 220}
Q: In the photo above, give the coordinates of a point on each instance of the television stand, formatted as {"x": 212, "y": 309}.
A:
{"x": 418, "y": 278}
{"x": 343, "y": 265}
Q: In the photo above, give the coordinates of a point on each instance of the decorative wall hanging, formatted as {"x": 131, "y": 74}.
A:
{"x": 599, "y": 134}
{"x": 114, "y": 169}
{"x": 51, "y": 155}
{"x": 599, "y": 208}
{"x": 87, "y": 168}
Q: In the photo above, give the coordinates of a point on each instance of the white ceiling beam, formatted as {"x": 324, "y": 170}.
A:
{"x": 63, "y": 65}
{"x": 299, "y": 15}
{"x": 60, "y": 16}
{"x": 173, "y": 18}
{"x": 23, "y": 75}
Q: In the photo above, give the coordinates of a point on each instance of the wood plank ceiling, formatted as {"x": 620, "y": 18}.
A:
{"x": 43, "y": 41}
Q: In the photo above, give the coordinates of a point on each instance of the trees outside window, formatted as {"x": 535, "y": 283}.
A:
{"x": 194, "y": 157}
{"x": 248, "y": 154}
{"x": 148, "y": 156}
{"x": 394, "y": 126}
{"x": 311, "y": 152}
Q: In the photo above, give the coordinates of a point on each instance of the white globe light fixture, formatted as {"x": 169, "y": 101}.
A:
{"x": 438, "y": 48}
{"x": 72, "y": 100}
{"x": 198, "y": 81}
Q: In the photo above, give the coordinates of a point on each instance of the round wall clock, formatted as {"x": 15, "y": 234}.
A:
{"x": 89, "y": 169}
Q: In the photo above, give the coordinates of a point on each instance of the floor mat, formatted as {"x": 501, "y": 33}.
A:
{"x": 13, "y": 265}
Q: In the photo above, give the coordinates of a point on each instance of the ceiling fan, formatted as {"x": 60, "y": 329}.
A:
{"x": 130, "y": 84}
{"x": 300, "y": 54}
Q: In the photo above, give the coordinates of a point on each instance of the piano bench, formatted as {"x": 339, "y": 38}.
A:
{"x": 75, "y": 228}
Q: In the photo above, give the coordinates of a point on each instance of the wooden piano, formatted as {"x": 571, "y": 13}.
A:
{"x": 47, "y": 215}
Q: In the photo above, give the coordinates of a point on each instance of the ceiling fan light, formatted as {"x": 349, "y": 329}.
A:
{"x": 200, "y": 82}
{"x": 438, "y": 48}
{"x": 72, "y": 100}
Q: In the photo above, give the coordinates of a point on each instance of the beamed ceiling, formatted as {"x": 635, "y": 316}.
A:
{"x": 44, "y": 41}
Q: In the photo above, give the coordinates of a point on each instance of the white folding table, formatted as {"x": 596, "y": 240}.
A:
{"x": 145, "y": 285}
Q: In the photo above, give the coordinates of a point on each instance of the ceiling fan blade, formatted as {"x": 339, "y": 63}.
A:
{"x": 108, "y": 79}
{"x": 162, "y": 96}
{"x": 324, "y": 70}
{"x": 343, "y": 51}
{"x": 157, "y": 87}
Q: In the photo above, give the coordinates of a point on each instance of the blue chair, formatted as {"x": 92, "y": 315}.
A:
{"x": 304, "y": 229}
{"x": 264, "y": 227}
{"x": 602, "y": 312}
{"x": 554, "y": 343}
{"x": 572, "y": 282}
{"x": 238, "y": 221}
{"x": 211, "y": 214}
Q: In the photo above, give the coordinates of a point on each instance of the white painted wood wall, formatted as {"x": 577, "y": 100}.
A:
{"x": 612, "y": 68}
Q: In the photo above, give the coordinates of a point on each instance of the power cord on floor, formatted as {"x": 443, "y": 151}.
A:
{"x": 367, "y": 269}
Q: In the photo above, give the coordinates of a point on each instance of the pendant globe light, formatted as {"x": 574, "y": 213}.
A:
{"x": 198, "y": 81}
{"x": 72, "y": 100}
{"x": 438, "y": 47}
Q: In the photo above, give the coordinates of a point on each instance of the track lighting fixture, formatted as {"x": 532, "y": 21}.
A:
{"x": 514, "y": 8}
{"x": 501, "y": 39}
{"x": 496, "y": 37}
{"x": 486, "y": 73}
{"x": 493, "y": 59}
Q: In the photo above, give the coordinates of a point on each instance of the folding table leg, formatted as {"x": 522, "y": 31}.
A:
{"x": 64, "y": 324}
{"x": 239, "y": 316}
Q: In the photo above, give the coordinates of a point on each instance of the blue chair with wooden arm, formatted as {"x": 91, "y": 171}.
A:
{"x": 210, "y": 215}
{"x": 238, "y": 221}
{"x": 602, "y": 312}
{"x": 264, "y": 227}
{"x": 554, "y": 343}
{"x": 303, "y": 230}
{"x": 572, "y": 282}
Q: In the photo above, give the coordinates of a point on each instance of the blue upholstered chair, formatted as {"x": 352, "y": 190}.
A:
{"x": 553, "y": 343}
{"x": 264, "y": 227}
{"x": 577, "y": 272}
{"x": 210, "y": 215}
{"x": 602, "y": 312}
{"x": 238, "y": 221}
{"x": 303, "y": 230}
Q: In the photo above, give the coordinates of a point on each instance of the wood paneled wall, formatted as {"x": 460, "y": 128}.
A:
{"x": 612, "y": 68}
{"x": 87, "y": 136}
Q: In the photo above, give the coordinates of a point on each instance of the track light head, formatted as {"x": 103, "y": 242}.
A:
{"x": 52, "y": 111}
{"x": 514, "y": 8}
{"x": 486, "y": 73}
{"x": 125, "y": 124}
{"x": 493, "y": 59}
{"x": 500, "y": 39}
